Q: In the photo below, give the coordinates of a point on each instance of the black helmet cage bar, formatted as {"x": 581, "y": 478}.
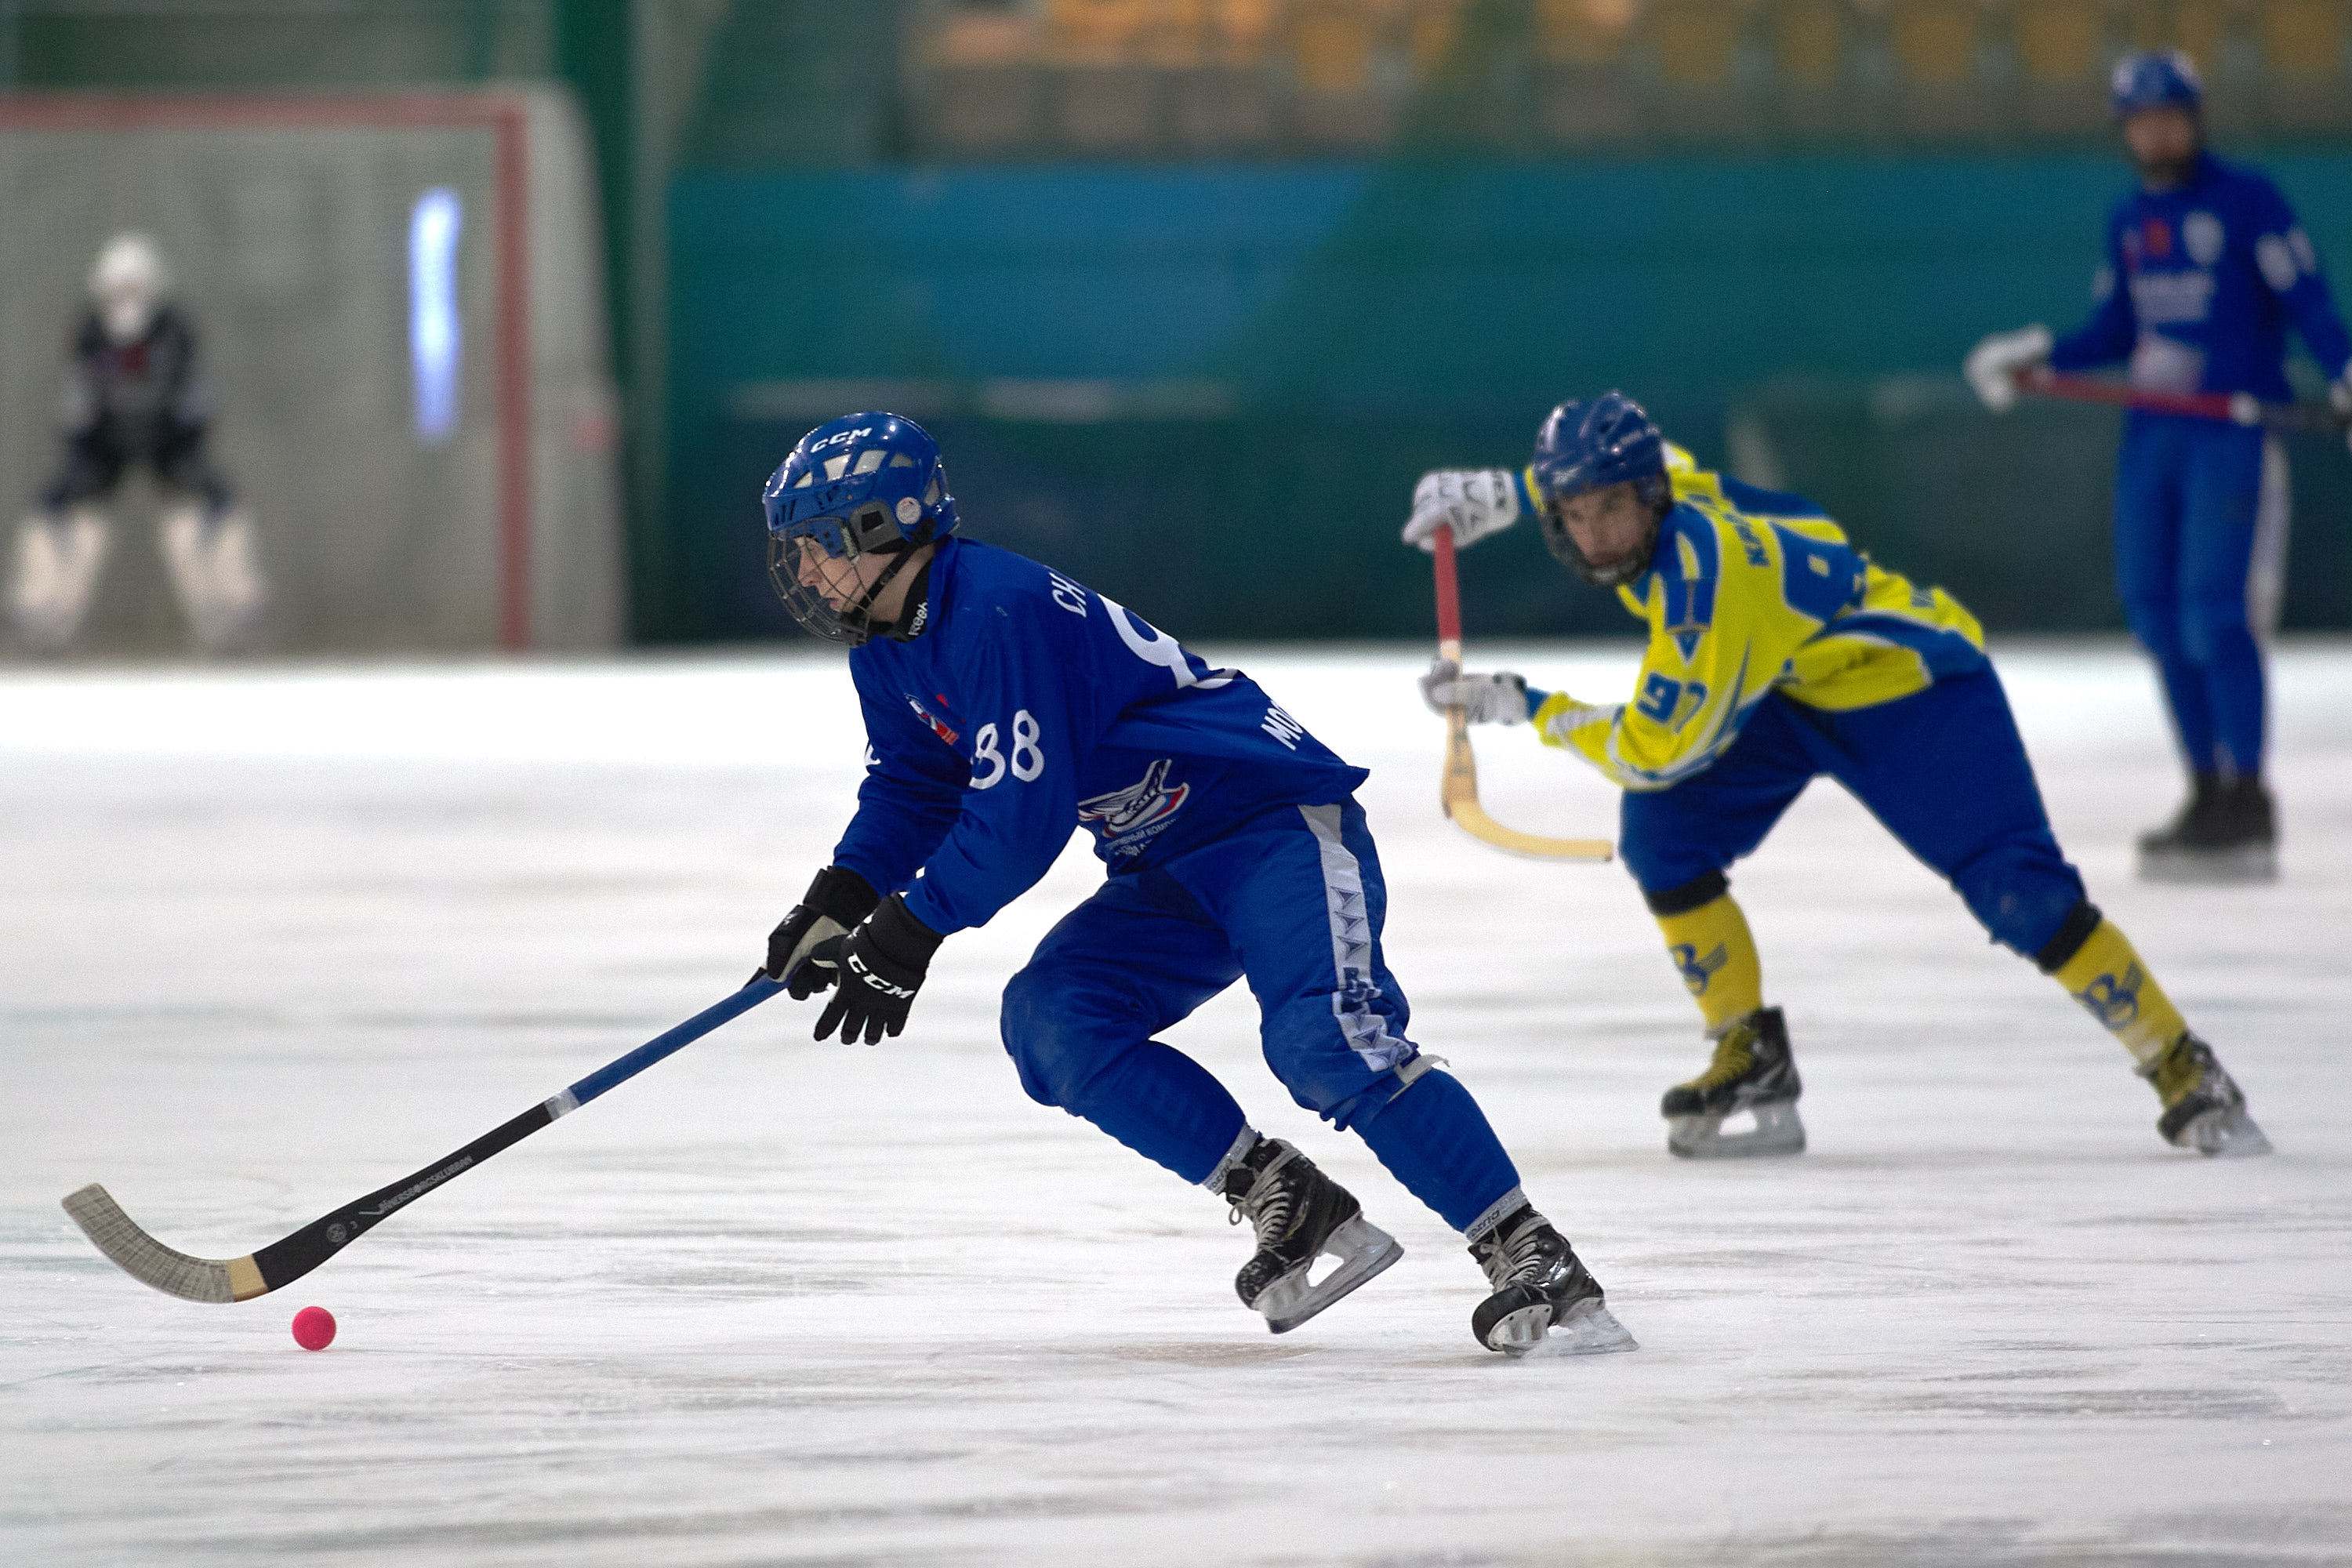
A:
{"x": 868, "y": 529}
{"x": 1656, "y": 490}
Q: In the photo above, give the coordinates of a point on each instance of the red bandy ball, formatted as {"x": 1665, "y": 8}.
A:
{"x": 314, "y": 1328}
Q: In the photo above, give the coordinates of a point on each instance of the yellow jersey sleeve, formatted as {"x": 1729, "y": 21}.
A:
{"x": 1753, "y": 592}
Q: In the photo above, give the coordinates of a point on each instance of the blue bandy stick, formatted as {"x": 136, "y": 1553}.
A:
{"x": 282, "y": 1262}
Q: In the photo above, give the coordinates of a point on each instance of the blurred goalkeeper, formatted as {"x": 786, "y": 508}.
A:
{"x": 2205, "y": 269}
{"x": 133, "y": 395}
{"x": 1779, "y": 652}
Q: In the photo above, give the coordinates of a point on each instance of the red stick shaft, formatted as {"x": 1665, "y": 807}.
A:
{"x": 2086, "y": 389}
{"x": 1449, "y": 590}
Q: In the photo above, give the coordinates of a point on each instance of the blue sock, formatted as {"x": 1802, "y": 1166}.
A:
{"x": 1166, "y": 1107}
{"x": 1434, "y": 1139}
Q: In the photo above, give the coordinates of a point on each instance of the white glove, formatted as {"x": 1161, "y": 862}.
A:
{"x": 1993, "y": 365}
{"x": 1475, "y": 502}
{"x": 1499, "y": 699}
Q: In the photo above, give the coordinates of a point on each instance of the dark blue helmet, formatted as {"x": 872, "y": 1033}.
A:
{"x": 866, "y": 484}
{"x": 1585, "y": 447}
{"x": 2150, "y": 79}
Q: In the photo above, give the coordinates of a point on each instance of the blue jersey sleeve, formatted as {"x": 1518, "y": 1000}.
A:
{"x": 1034, "y": 721}
{"x": 912, "y": 792}
{"x": 2289, "y": 266}
{"x": 2112, "y": 330}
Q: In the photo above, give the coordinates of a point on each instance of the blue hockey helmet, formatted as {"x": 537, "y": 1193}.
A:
{"x": 2152, "y": 78}
{"x": 865, "y": 484}
{"x": 1588, "y": 446}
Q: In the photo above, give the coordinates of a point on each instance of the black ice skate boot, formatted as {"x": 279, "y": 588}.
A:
{"x": 1752, "y": 1071}
{"x": 2204, "y": 1109}
{"x": 1543, "y": 1294}
{"x": 1300, "y": 1214}
{"x": 2228, "y": 832}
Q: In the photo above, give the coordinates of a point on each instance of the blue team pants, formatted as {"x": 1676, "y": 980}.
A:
{"x": 1943, "y": 769}
{"x": 1294, "y": 902}
{"x": 2201, "y": 514}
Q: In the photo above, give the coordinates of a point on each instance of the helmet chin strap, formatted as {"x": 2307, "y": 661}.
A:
{"x": 863, "y": 609}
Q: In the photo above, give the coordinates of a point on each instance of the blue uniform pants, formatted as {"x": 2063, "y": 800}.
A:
{"x": 2201, "y": 520}
{"x": 1943, "y": 769}
{"x": 1294, "y": 902}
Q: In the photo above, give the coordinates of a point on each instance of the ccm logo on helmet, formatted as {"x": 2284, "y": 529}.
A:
{"x": 840, "y": 436}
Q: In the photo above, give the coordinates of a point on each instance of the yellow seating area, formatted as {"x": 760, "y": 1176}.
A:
{"x": 1171, "y": 77}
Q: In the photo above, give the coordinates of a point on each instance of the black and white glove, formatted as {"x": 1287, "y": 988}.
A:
{"x": 832, "y": 906}
{"x": 1992, "y": 366}
{"x": 1498, "y": 698}
{"x": 1473, "y": 502}
{"x": 2339, "y": 398}
{"x": 881, "y": 965}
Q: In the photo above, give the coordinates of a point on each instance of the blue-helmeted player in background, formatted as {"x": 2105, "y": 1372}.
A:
{"x": 2205, "y": 269}
{"x": 1006, "y": 705}
{"x": 1777, "y": 652}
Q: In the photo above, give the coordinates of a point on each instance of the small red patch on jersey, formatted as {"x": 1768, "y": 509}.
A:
{"x": 2159, "y": 235}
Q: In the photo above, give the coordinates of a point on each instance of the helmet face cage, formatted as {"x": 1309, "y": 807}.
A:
{"x": 870, "y": 484}
{"x": 1588, "y": 446}
{"x": 1654, "y": 492}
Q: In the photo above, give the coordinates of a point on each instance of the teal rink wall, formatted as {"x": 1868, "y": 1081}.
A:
{"x": 1208, "y": 390}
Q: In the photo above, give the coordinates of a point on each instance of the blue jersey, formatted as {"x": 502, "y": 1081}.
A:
{"x": 1029, "y": 705}
{"x": 2199, "y": 285}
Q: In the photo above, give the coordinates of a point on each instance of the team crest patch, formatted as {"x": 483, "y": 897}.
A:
{"x": 1127, "y": 819}
{"x": 1689, "y": 611}
{"x": 2200, "y": 233}
{"x": 936, "y": 727}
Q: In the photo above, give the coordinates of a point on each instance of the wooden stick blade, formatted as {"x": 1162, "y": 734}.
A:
{"x": 1472, "y": 819}
{"x": 149, "y": 1261}
{"x": 1458, "y": 790}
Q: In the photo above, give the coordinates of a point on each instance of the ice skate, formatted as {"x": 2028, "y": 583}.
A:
{"x": 2204, "y": 1109}
{"x": 1301, "y": 1215}
{"x": 2226, "y": 833}
{"x": 1752, "y": 1071}
{"x": 56, "y": 576}
{"x": 1543, "y": 1295}
{"x": 217, "y": 575}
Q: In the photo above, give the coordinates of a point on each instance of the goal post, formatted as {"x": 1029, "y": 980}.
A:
{"x": 400, "y": 311}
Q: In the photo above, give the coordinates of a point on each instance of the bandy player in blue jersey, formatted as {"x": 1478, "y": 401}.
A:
{"x": 2205, "y": 269}
{"x": 1006, "y": 705}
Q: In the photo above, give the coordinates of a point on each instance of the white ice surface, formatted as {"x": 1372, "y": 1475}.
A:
{"x": 271, "y": 937}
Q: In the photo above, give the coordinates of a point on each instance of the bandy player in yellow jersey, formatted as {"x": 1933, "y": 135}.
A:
{"x": 1779, "y": 652}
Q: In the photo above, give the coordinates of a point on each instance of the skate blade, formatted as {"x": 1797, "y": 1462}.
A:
{"x": 2211, "y": 867}
{"x": 1588, "y": 1328}
{"x": 1363, "y": 1249}
{"x": 1779, "y": 1131}
{"x": 2225, "y": 1134}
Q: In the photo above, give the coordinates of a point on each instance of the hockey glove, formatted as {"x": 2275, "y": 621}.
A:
{"x": 2339, "y": 398}
{"x": 1499, "y": 699}
{"x": 881, "y": 965}
{"x": 1993, "y": 365}
{"x": 1473, "y": 502}
{"x": 832, "y": 906}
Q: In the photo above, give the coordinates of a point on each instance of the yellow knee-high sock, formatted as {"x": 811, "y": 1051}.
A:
{"x": 1711, "y": 947}
{"x": 2106, "y": 976}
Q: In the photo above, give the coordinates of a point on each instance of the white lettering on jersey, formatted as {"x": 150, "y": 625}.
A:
{"x": 989, "y": 765}
{"x": 1066, "y": 594}
{"x": 1283, "y": 727}
{"x": 2277, "y": 262}
{"x": 2160, "y": 297}
{"x": 1159, "y": 648}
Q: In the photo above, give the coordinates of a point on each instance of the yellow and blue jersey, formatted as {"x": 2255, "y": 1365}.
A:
{"x": 1754, "y": 592}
